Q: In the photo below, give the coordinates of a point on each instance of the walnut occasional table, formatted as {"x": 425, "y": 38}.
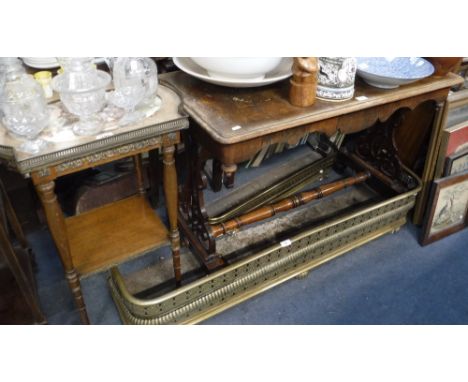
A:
{"x": 109, "y": 235}
{"x": 232, "y": 125}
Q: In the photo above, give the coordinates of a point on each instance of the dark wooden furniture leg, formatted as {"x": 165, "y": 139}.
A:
{"x": 193, "y": 217}
{"x": 56, "y": 223}
{"x": 138, "y": 165}
{"x": 170, "y": 194}
{"x": 229, "y": 174}
{"x": 154, "y": 177}
{"x": 24, "y": 277}
{"x": 20, "y": 276}
{"x": 217, "y": 176}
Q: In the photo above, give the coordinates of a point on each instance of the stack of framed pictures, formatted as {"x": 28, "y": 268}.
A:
{"x": 447, "y": 209}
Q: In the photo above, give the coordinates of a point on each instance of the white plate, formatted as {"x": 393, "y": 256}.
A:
{"x": 282, "y": 71}
{"x": 49, "y": 62}
{"x": 41, "y": 62}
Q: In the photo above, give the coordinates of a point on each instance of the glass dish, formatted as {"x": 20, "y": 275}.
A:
{"x": 82, "y": 89}
{"x": 7, "y": 64}
{"x": 25, "y": 109}
{"x": 136, "y": 83}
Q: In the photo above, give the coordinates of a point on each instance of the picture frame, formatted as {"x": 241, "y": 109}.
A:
{"x": 454, "y": 133}
{"x": 454, "y": 140}
{"x": 448, "y": 208}
{"x": 456, "y": 163}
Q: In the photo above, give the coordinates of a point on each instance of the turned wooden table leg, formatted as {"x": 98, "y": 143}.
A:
{"x": 229, "y": 174}
{"x": 217, "y": 176}
{"x": 170, "y": 194}
{"x": 154, "y": 177}
{"x": 137, "y": 162}
{"x": 56, "y": 223}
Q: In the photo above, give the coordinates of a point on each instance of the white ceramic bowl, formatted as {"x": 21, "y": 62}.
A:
{"x": 235, "y": 68}
{"x": 281, "y": 72}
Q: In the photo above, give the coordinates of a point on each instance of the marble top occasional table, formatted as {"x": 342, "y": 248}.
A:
{"x": 109, "y": 235}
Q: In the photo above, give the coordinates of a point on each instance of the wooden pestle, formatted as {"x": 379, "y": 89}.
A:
{"x": 304, "y": 81}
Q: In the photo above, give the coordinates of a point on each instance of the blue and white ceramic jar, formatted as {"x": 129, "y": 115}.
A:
{"x": 336, "y": 78}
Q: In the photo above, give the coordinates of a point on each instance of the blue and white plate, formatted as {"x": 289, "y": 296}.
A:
{"x": 391, "y": 72}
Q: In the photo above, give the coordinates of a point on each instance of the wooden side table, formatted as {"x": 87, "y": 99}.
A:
{"x": 109, "y": 235}
{"x": 231, "y": 125}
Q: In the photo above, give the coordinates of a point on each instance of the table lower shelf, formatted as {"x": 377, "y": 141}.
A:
{"x": 114, "y": 233}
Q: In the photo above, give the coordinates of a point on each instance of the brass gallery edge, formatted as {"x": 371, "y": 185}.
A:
{"x": 131, "y": 137}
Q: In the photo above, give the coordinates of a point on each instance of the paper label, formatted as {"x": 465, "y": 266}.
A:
{"x": 286, "y": 243}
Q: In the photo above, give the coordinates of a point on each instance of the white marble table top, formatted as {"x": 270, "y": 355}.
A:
{"x": 63, "y": 144}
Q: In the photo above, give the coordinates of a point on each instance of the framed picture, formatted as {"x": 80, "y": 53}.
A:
{"x": 456, "y": 163}
{"x": 454, "y": 135}
{"x": 454, "y": 140}
{"x": 448, "y": 208}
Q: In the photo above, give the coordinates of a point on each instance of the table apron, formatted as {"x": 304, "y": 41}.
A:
{"x": 96, "y": 159}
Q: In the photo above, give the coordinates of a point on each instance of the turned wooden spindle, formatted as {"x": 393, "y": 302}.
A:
{"x": 171, "y": 197}
{"x": 286, "y": 204}
{"x": 138, "y": 164}
{"x": 304, "y": 81}
{"x": 58, "y": 229}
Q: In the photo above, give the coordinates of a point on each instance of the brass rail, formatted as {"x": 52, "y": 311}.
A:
{"x": 280, "y": 190}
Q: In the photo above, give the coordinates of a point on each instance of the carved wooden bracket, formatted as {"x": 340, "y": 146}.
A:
{"x": 377, "y": 147}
